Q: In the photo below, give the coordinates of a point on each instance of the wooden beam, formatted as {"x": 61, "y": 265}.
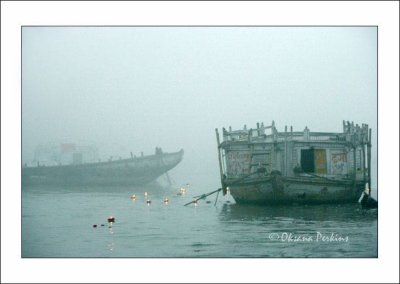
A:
{"x": 219, "y": 157}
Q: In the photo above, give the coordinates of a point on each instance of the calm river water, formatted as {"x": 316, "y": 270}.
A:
{"x": 59, "y": 222}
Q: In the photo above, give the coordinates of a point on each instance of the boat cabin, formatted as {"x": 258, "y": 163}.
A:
{"x": 262, "y": 150}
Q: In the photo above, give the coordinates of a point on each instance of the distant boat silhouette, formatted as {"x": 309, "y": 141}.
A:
{"x": 130, "y": 171}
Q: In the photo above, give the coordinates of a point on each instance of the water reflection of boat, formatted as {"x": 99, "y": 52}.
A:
{"x": 295, "y": 167}
{"x": 130, "y": 171}
{"x": 290, "y": 214}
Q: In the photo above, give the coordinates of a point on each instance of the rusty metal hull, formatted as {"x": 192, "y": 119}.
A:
{"x": 134, "y": 171}
{"x": 293, "y": 191}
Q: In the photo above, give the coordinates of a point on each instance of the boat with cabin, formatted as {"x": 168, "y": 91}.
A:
{"x": 264, "y": 166}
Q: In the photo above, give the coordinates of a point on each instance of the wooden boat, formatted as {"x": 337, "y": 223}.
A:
{"x": 130, "y": 171}
{"x": 295, "y": 167}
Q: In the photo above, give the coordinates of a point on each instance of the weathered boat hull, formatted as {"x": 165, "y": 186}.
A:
{"x": 134, "y": 171}
{"x": 295, "y": 167}
{"x": 292, "y": 191}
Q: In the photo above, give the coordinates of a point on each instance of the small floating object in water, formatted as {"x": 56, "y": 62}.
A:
{"x": 94, "y": 226}
{"x": 133, "y": 197}
{"x": 195, "y": 203}
{"x": 148, "y": 202}
{"x": 111, "y": 219}
{"x": 102, "y": 225}
{"x": 145, "y": 194}
{"x": 208, "y": 201}
{"x": 166, "y": 200}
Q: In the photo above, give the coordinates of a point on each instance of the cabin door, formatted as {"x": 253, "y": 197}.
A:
{"x": 307, "y": 160}
{"x": 320, "y": 161}
{"x": 313, "y": 161}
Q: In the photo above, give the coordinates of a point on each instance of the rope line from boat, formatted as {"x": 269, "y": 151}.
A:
{"x": 197, "y": 198}
{"x": 164, "y": 165}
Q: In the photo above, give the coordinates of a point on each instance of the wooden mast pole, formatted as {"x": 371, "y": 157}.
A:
{"x": 353, "y": 139}
{"x": 285, "y": 151}
{"x": 219, "y": 158}
{"x": 364, "y": 142}
{"x": 354, "y": 166}
{"x": 369, "y": 162}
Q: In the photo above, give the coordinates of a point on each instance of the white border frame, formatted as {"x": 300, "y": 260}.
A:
{"x": 383, "y": 269}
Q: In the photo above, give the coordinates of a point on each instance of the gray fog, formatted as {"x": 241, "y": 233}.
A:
{"x": 131, "y": 89}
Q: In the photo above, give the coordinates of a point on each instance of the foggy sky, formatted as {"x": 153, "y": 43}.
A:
{"x": 134, "y": 88}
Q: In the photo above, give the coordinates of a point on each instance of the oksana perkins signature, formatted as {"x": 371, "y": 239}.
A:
{"x": 317, "y": 237}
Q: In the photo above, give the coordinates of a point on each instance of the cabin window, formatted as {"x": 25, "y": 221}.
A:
{"x": 314, "y": 161}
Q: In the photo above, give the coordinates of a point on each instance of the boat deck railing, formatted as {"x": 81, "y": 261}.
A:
{"x": 282, "y": 137}
{"x": 352, "y": 134}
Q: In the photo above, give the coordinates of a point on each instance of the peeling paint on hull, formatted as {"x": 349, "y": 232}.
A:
{"x": 295, "y": 191}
